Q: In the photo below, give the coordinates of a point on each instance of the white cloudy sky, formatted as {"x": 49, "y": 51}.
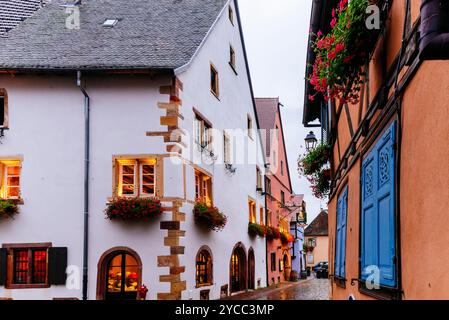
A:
{"x": 276, "y": 34}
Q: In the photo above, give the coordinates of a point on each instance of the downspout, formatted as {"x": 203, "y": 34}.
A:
{"x": 266, "y": 222}
{"x": 434, "y": 41}
{"x": 86, "y": 182}
{"x": 398, "y": 258}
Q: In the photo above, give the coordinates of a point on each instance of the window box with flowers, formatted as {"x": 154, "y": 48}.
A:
{"x": 273, "y": 233}
{"x": 133, "y": 209}
{"x": 8, "y": 208}
{"x": 209, "y": 217}
{"x": 342, "y": 53}
{"x": 255, "y": 229}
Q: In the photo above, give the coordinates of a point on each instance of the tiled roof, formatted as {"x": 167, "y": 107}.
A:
{"x": 319, "y": 226}
{"x": 150, "y": 34}
{"x": 13, "y": 12}
{"x": 267, "y": 109}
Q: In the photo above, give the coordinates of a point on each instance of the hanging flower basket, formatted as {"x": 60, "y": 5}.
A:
{"x": 129, "y": 209}
{"x": 314, "y": 166}
{"x": 342, "y": 53}
{"x": 8, "y": 208}
{"x": 209, "y": 218}
{"x": 273, "y": 233}
{"x": 255, "y": 229}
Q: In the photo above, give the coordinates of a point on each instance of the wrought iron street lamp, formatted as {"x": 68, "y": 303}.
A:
{"x": 311, "y": 141}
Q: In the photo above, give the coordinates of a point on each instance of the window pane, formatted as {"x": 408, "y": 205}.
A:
{"x": 148, "y": 179}
{"x": 147, "y": 189}
{"x": 13, "y": 171}
{"x": 128, "y": 169}
{"x": 39, "y": 275}
{"x": 128, "y": 179}
{"x": 147, "y": 169}
{"x": 21, "y": 267}
{"x": 115, "y": 274}
{"x": 128, "y": 190}
{"x": 13, "y": 181}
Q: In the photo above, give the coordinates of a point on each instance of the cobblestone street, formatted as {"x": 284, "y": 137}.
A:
{"x": 310, "y": 289}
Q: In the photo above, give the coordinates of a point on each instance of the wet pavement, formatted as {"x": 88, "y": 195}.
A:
{"x": 310, "y": 289}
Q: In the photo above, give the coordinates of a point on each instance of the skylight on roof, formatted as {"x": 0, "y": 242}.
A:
{"x": 110, "y": 23}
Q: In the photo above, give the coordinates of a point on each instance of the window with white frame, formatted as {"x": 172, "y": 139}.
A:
{"x": 227, "y": 157}
{"x": 136, "y": 178}
{"x": 10, "y": 174}
{"x": 203, "y": 131}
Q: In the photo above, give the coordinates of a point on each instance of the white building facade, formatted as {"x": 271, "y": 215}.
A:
{"x": 144, "y": 124}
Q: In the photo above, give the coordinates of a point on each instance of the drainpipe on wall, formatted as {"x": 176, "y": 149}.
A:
{"x": 86, "y": 182}
{"x": 434, "y": 42}
{"x": 266, "y": 223}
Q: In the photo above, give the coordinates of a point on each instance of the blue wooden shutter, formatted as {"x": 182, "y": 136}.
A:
{"x": 340, "y": 242}
{"x": 378, "y": 209}
{"x": 344, "y": 217}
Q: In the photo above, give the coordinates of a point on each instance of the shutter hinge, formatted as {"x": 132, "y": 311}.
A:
{"x": 395, "y": 146}
{"x": 395, "y": 260}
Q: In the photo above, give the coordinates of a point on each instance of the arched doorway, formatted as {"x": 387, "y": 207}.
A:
{"x": 251, "y": 270}
{"x": 119, "y": 274}
{"x": 238, "y": 269}
{"x": 287, "y": 266}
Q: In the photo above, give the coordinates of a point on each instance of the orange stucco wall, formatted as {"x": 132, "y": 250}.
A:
{"x": 424, "y": 177}
{"x": 320, "y": 252}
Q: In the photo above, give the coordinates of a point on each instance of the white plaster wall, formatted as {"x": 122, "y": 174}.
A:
{"x": 230, "y": 194}
{"x": 46, "y": 121}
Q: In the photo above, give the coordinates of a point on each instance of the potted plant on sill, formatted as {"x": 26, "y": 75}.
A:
{"x": 209, "y": 217}
{"x": 133, "y": 209}
{"x": 8, "y": 208}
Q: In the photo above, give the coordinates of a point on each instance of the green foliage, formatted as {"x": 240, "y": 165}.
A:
{"x": 209, "y": 218}
{"x": 8, "y": 208}
{"x": 255, "y": 229}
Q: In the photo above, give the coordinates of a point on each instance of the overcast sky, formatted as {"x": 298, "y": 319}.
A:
{"x": 276, "y": 35}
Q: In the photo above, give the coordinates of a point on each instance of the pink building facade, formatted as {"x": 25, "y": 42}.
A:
{"x": 278, "y": 189}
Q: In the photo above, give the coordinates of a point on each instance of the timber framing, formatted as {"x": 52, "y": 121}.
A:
{"x": 383, "y": 106}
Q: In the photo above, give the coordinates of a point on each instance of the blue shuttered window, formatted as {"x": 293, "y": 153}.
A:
{"x": 378, "y": 210}
{"x": 340, "y": 241}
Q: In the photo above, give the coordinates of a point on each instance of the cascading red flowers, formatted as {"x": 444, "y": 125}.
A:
{"x": 341, "y": 54}
{"x": 133, "y": 209}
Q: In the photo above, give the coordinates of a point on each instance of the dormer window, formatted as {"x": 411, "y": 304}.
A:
{"x": 109, "y": 23}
